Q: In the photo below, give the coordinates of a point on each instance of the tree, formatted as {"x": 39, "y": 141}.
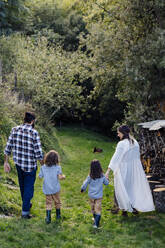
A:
{"x": 12, "y": 15}
{"x": 46, "y": 77}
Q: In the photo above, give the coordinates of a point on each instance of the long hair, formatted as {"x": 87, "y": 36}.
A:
{"x": 95, "y": 169}
{"x": 125, "y": 130}
{"x": 51, "y": 158}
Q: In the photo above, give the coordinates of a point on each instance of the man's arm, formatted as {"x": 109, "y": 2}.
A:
{"x": 38, "y": 149}
{"x": 7, "y": 152}
{"x": 7, "y": 167}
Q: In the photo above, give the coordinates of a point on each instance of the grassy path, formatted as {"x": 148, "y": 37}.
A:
{"x": 75, "y": 146}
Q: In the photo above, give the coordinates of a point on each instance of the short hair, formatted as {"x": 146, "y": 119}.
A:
{"x": 29, "y": 117}
{"x": 51, "y": 158}
{"x": 96, "y": 170}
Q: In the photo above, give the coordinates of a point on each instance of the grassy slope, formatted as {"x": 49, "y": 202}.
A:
{"x": 75, "y": 230}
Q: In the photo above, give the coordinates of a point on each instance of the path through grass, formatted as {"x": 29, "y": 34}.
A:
{"x": 75, "y": 230}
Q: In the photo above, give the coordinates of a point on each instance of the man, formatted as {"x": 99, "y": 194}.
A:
{"x": 24, "y": 142}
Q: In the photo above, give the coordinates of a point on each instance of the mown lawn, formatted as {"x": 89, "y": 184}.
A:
{"x": 75, "y": 146}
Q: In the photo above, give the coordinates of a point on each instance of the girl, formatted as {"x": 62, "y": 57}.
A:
{"x": 51, "y": 172}
{"x": 96, "y": 179}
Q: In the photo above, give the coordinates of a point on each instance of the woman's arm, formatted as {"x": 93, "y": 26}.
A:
{"x": 117, "y": 157}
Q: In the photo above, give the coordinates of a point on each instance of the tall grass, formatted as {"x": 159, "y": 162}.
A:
{"x": 75, "y": 229}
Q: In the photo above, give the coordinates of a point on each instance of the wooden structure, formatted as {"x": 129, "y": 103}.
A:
{"x": 159, "y": 199}
{"x": 152, "y": 148}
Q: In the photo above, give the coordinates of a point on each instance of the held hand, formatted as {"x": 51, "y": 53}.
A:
{"x": 107, "y": 175}
{"x": 61, "y": 176}
{"x": 7, "y": 167}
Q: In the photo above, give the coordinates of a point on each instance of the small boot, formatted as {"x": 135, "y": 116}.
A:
{"x": 58, "y": 214}
{"x": 97, "y": 220}
{"x": 48, "y": 216}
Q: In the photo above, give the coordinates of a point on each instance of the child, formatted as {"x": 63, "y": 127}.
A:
{"x": 96, "y": 179}
{"x": 51, "y": 172}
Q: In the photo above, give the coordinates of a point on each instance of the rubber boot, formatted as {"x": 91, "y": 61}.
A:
{"x": 48, "y": 216}
{"x": 97, "y": 220}
{"x": 58, "y": 214}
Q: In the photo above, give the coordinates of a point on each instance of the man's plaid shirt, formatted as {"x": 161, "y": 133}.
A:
{"x": 24, "y": 142}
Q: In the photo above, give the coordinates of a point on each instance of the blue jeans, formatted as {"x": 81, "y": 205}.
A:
{"x": 26, "y": 183}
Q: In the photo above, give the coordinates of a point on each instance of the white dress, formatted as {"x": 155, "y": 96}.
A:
{"x": 131, "y": 186}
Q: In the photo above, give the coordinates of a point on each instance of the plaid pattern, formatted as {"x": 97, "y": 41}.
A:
{"x": 24, "y": 142}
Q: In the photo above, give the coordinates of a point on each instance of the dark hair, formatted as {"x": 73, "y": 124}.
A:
{"x": 125, "y": 130}
{"x": 51, "y": 158}
{"x": 29, "y": 117}
{"x": 96, "y": 170}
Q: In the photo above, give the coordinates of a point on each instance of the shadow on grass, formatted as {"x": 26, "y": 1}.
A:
{"x": 144, "y": 226}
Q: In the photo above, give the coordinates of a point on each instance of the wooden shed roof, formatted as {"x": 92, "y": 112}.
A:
{"x": 153, "y": 125}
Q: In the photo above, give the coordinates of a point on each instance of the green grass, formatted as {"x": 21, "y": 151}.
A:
{"x": 75, "y": 146}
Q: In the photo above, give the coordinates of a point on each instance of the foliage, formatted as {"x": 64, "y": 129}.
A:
{"x": 12, "y": 15}
{"x": 11, "y": 112}
{"x": 126, "y": 46}
{"x": 109, "y": 66}
{"x": 49, "y": 78}
{"x": 59, "y": 24}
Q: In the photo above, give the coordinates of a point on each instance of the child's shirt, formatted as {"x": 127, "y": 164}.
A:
{"x": 95, "y": 190}
{"x": 50, "y": 174}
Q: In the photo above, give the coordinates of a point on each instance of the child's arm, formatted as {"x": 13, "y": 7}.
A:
{"x": 59, "y": 173}
{"x": 105, "y": 181}
{"x": 107, "y": 173}
{"x": 61, "y": 176}
{"x": 85, "y": 184}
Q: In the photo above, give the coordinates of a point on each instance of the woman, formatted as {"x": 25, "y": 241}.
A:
{"x": 132, "y": 190}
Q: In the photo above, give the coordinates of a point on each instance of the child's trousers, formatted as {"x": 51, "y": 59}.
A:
{"x": 96, "y": 206}
{"x": 53, "y": 198}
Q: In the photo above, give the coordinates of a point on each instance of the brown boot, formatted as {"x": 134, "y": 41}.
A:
{"x": 135, "y": 212}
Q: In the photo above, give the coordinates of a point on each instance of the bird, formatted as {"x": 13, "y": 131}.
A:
{"x": 97, "y": 150}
